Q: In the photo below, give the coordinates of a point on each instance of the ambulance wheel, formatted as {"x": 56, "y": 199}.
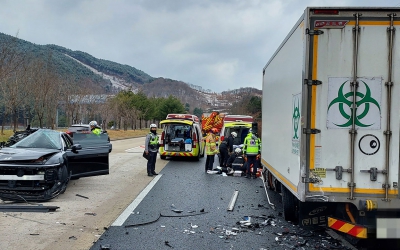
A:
{"x": 163, "y": 157}
{"x": 290, "y": 205}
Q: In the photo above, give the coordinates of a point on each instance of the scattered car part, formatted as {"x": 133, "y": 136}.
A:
{"x": 266, "y": 192}
{"x": 233, "y": 200}
{"x": 27, "y": 208}
{"x": 82, "y": 196}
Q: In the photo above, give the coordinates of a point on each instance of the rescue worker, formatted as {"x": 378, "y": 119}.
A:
{"x": 151, "y": 149}
{"x": 226, "y": 149}
{"x": 211, "y": 149}
{"x": 252, "y": 148}
{"x": 236, "y": 162}
{"x": 94, "y": 128}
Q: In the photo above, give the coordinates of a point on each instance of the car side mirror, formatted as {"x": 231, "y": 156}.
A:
{"x": 76, "y": 147}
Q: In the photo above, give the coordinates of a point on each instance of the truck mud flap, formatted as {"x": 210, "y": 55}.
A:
{"x": 313, "y": 214}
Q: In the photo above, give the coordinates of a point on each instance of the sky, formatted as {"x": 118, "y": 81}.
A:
{"x": 216, "y": 44}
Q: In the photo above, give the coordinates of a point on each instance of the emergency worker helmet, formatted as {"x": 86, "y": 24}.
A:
{"x": 238, "y": 150}
{"x": 153, "y": 126}
{"x": 234, "y": 134}
{"x": 93, "y": 123}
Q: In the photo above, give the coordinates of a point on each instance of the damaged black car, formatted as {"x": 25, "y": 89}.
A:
{"x": 39, "y": 167}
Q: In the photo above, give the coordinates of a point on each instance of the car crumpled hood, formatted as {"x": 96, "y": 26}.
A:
{"x": 18, "y": 154}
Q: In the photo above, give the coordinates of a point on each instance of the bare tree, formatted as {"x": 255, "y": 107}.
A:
{"x": 106, "y": 110}
{"x": 11, "y": 76}
{"x": 14, "y": 93}
{"x": 44, "y": 91}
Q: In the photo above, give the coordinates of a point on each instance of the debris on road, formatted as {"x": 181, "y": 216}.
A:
{"x": 231, "y": 204}
{"x": 167, "y": 244}
{"x": 94, "y": 214}
{"x": 105, "y": 247}
{"x": 82, "y": 196}
{"x": 28, "y": 208}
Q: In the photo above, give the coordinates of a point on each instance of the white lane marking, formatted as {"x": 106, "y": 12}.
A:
{"x": 135, "y": 149}
{"x": 128, "y": 211}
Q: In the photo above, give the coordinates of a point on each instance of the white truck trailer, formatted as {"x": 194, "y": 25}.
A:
{"x": 330, "y": 120}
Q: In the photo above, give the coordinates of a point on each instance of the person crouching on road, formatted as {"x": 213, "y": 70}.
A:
{"x": 94, "y": 128}
{"x": 226, "y": 149}
{"x": 236, "y": 162}
{"x": 151, "y": 149}
{"x": 211, "y": 149}
{"x": 252, "y": 148}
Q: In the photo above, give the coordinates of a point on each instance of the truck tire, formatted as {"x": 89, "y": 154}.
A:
{"x": 290, "y": 205}
{"x": 163, "y": 157}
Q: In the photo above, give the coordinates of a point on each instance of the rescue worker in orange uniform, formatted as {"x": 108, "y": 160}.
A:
{"x": 211, "y": 149}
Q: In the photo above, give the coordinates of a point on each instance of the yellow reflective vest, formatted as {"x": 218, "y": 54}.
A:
{"x": 96, "y": 131}
{"x": 252, "y": 145}
{"x": 211, "y": 146}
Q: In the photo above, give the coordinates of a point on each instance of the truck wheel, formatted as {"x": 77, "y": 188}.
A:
{"x": 163, "y": 157}
{"x": 270, "y": 181}
{"x": 290, "y": 205}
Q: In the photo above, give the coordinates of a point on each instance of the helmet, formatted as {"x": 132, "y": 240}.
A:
{"x": 153, "y": 126}
{"x": 250, "y": 130}
{"x": 234, "y": 134}
{"x": 238, "y": 150}
{"x": 93, "y": 123}
{"x": 214, "y": 130}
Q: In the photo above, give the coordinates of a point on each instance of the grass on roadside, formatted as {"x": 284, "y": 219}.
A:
{"x": 121, "y": 134}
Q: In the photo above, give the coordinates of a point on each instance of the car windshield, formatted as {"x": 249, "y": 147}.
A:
{"x": 43, "y": 138}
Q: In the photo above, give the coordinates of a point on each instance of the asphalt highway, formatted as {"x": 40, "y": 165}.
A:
{"x": 186, "y": 208}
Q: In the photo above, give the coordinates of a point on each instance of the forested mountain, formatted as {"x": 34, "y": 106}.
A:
{"x": 127, "y": 73}
{"x": 110, "y": 77}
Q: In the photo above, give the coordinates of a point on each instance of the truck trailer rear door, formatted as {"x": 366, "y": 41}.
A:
{"x": 354, "y": 153}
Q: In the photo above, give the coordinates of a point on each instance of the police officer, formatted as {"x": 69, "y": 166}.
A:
{"x": 252, "y": 148}
{"x": 211, "y": 148}
{"x": 94, "y": 128}
{"x": 151, "y": 149}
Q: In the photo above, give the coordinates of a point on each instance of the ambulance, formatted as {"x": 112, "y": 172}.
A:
{"x": 181, "y": 137}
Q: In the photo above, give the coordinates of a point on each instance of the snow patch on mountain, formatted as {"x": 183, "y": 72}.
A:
{"x": 115, "y": 81}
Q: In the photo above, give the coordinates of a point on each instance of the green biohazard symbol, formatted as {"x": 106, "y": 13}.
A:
{"x": 296, "y": 119}
{"x": 365, "y": 99}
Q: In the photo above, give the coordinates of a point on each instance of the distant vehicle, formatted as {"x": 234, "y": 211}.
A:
{"x": 78, "y": 128}
{"x": 39, "y": 166}
{"x": 212, "y": 120}
{"x": 330, "y": 123}
{"x": 181, "y": 137}
{"x": 240, "y": 124}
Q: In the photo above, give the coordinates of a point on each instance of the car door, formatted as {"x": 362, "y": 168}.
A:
{"x": 92, "y": 159}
